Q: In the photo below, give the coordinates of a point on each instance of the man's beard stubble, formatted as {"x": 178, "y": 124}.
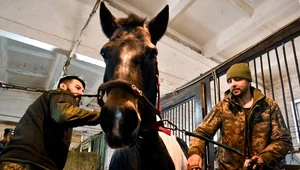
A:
{"x": 241, "y": 93}
{"x": 77, "y": 96}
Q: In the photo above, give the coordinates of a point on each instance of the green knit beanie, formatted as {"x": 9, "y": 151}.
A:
{"x": 240, "y": 70}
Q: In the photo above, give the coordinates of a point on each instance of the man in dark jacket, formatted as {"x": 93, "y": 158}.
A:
{"x": 43, "y": 135}
{"x": 6, "y": 138}
{"x": 248, "y": 122}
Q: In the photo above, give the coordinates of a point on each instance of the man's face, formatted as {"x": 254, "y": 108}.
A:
{"x": 238, "y": 86}
{"x": 9, "y": 135}
{"x": 74, "y": 87}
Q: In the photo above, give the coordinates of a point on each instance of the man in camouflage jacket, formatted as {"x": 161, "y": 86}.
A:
{"x": 248, "y": 122}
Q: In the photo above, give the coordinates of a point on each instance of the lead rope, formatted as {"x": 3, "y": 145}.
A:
{"x": 174, "y": 127}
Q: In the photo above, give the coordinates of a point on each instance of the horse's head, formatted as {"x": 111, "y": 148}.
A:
{"x": 130, "y": 56}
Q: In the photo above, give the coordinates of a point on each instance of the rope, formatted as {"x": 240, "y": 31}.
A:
{"x": 78, "y": 41}
{"x": 174, "y": 127}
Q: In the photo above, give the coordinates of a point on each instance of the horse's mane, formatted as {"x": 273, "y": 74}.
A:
{"x": 131, "y": 21}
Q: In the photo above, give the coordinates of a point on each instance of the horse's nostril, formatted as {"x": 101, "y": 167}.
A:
{"x": 121, "y": 121}
{"x": 106, "y": 118}
{"x": 129, "y": 121}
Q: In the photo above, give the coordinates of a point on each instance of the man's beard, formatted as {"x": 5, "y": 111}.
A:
{"x": 241, "y": 93}
{"x": 77, "y": 96}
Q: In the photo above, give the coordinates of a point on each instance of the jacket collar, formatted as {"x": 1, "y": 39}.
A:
{"x": 60, "y": 90}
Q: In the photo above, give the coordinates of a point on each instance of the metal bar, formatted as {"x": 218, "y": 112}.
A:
{"x": 165, "y": 116}
{"x": 176, "y": 118}
{"x": 296, "y": 61}
{"x": 184, "y": 117}
{"x": 255, "y": 73}
{"x": 290, "y": 87}
{"x": 170, "y": 116}
{"x": 215, "y": 91}
{"x": 187, "y": 124}
{"x": 262, "y": 73}
{"x": 173, "y": 117}
{"x": 271, "y": 78}
{"x": 190, "y": 119}
{"x": 282, "y": 87}
{"x": 180, "y": 119}
{"x": 219, "y": 89}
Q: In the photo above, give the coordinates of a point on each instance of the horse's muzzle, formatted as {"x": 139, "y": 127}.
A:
{"x": 120, "y": 124}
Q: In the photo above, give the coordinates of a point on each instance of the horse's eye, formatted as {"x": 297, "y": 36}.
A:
{"x": 153, "y": 53}
{"x": 103, "y": 53}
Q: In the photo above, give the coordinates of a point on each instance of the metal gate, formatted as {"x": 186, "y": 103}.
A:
{"x": 274, "y": 64}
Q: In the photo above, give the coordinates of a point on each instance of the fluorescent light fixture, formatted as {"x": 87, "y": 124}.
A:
{"x": 48, "y": 47}
{"x": 90, "y": 60}
{"x": 27, "y": 40}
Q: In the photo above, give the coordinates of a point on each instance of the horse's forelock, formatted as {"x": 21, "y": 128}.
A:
{"x": 131, "y": 21}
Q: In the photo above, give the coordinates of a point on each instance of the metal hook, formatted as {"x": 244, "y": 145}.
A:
{"x": 170, "y": 123}
{"x": 136, "y": 90}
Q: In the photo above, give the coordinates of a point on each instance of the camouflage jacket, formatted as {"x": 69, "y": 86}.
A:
{"x": 263, "y": 134}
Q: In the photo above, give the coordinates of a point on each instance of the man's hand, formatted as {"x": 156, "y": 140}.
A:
{"x": 194, "y": 163}
{"x": 259, "y": 162}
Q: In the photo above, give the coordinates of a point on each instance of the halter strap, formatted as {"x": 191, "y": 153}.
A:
{"x": 139, "y": 94}
{"x": 158, "y": 90}
{"x": 126, "y": 85}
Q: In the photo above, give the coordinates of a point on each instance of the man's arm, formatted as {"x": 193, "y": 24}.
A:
{"x": 64, "y": 110}
{"x": 207, "y": 128}
{"x": 281, "y": 142}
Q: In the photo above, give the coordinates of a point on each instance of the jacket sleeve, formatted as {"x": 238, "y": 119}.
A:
{"x": 64, "y": 110}
{"x": 207, "y": 128}
{"x": 280, "y": 142}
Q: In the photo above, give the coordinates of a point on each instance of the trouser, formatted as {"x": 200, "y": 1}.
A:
{"x": 7, "y": 165}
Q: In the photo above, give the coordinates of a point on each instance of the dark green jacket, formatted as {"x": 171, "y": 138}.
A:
{"x": 264, "y": 133}
{"x": 43, "y": 134}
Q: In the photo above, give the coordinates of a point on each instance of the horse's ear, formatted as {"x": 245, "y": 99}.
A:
{"x": 108, "y": 21}
{"x": 158, "y": 25}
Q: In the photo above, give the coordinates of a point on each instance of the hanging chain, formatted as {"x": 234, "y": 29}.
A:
{"x": 34, "y": 90}
{"x": 78, "y": 41}
{"x": 22, "y": 88}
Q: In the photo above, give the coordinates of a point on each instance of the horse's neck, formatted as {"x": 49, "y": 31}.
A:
{"x": 148, "y": 116}
{"x": 149, "y": 152}
{"x": 150, "y": 136}
{"x": 153, "y": 151}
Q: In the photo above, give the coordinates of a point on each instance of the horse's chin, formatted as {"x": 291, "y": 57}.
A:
{"x": 121, "y": 142}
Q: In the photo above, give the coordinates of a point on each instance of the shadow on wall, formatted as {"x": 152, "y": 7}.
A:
{"x": 82, "y": 161}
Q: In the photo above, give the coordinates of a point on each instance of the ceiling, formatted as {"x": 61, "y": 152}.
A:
{"x": 36, "y": 36}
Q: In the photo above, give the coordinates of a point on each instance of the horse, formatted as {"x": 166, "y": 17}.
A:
{"x": 130, "y": 83}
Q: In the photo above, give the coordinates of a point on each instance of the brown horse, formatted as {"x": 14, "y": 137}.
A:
{"x": 131, "y": 75}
